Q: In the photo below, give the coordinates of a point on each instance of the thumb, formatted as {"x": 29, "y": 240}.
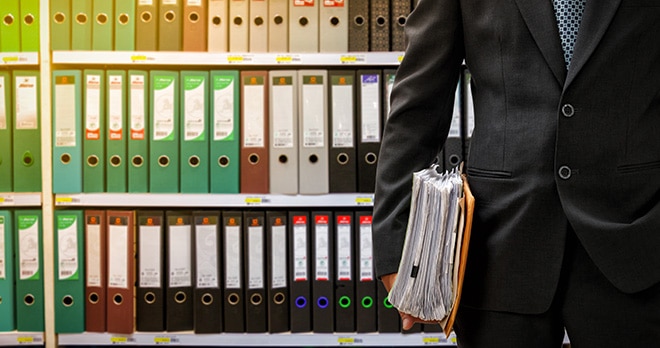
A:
{"x": 407, "y": 322}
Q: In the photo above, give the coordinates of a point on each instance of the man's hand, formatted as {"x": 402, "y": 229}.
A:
{"x": 407, "y": 320}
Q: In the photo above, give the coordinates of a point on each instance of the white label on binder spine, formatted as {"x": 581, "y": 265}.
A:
{"x": 93, "y": 108}
{"x": 223, "y": 103}
{"x": 278, "y": 257}
{"x": 313, "y": 108}
{"x": 342, "y": 116}
{"x": 300, "y": 248}
{"x": 115, "y": 107}
{"x": 344, "y": 248}
{"x": 118, "y": 256}
{"x": 137, "y": 117}
{"x": 370, "y": 108}
{"x": 233, "y": 257}
{"x": 163, "y": 121}
{"x": 93, "y": 255}
{"x": 256, "y": 257}
{"x": 253, "y": 128}
{"x": 26, "y": 102}
{"x": 322, "y": 249}
{"x": 67, "y": 247}
{"x": 194, "y": 119}
{"x": 150, "y": 259}
{"x": 282, "y": 116}
{"x": 28, "y": 247}
{"x": 366, "y": 250}
{"x": 180, "y": 267}
{"x": 65, "y": 111}
{"x": 206, "y": 248}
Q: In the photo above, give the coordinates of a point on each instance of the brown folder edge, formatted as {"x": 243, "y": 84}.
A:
{"x": 468, "y": 204}
{"x": 96, "y": 323}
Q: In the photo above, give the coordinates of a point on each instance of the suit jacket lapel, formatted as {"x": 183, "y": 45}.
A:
{"x": 597, "y": 17}
{"x": 540, "y": 18}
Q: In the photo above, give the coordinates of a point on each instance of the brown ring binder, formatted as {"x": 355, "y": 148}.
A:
{"x": 93, "y": 298}
{"x": 193, "y": 17}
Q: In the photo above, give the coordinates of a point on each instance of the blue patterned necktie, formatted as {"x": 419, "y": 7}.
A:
{"x": 569, "y": 15}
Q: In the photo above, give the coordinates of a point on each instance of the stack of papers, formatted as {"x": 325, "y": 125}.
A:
{"x": 434, "y": 253}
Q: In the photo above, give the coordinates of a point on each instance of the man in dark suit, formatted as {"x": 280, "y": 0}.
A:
{"x": 564, "y": 164}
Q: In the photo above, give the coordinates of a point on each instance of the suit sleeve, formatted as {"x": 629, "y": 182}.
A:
{"x": 422, "y": 101}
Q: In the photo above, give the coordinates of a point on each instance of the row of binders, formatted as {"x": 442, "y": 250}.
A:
{"x": 19, "y": 25}
{"x": 223, "y": 131}
{"x": 229, "y": 25}
{"x": 122, "y": 271}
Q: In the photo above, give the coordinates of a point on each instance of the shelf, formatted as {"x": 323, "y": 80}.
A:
{"x": 21, "y": 338}
{"x": 228, "y": 59}
{"x": 202, "y": 200}
{"x": 19, "y": 58}
{"x": 283, "y": 339}
{"x": 16, "y": 199}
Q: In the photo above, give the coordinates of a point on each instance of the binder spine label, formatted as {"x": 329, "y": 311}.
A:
{"x": 67, "y": 241}
{"x": 322, "y": 270}
{"x": 256, "y": 256}
{"x": 223, "y": 115}
{"x": 150, "y": 259}
{"x": 92, "y": 108}
{"x": 26, "y": 103}
{"x": 300, "y": 248}
{"x": 278, "y": 257}
{"x": 137, "y": 117}
{"x": 145, "y": 2}
{"x": 313, "y": 120}
{"x": 164, "y": 108}
{"x": 253, "y": 96}
{"x": 3, "y": 104}
{"x": 180, "y": 267}
{"x": 28, "y": 247}
{"x": 366, "y": 250}
{"x": 115, "y": 108}
{"x": 283, "y": 134}
{"x": 342, "y": 112}
{"x": 303, "y": 3}
{"x": 233, "y": 257}
{"x": 194, "y": 116}
{"x": 118, "y": 256}
{"x": 333, "y": 3}
{"x": 207, "y": 256}
{"x": 65, "y": 120}
{"x": 93, "y": 255}
{"x": 344, "y": 248}
{"x": 370, "y": 109}
{"x": 3, "y": 263}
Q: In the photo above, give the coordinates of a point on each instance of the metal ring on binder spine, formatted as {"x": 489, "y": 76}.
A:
{"x": 102, "y": 18}
{"x": 123, "y": 18}
{"x": 59, "y": 18}
{"x": 28, "y": 19}
{"x": 150, "y": 298}
{"x": 207, "y": 299}
{"x": 146, "y": 17}
{"x": 117, "y": 299}
{"x": 93, "y": 298}
{"x": 279, "y": 298}
{"x": 256, "y": 299}
{"x": 65, "y": 158}
{"x": 233, "y": 299}
{"x": 29, "y": 299}
{"x": 137, "y": 161}
{"x": 180, "y": 297}
{"x": 67, "y": 301}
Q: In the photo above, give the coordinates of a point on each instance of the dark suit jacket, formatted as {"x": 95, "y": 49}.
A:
{"x": 550, "y": 147}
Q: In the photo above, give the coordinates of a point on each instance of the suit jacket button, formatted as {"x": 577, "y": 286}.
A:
{"x": 567, "y": 110}
{"x": 564, "y": 172}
